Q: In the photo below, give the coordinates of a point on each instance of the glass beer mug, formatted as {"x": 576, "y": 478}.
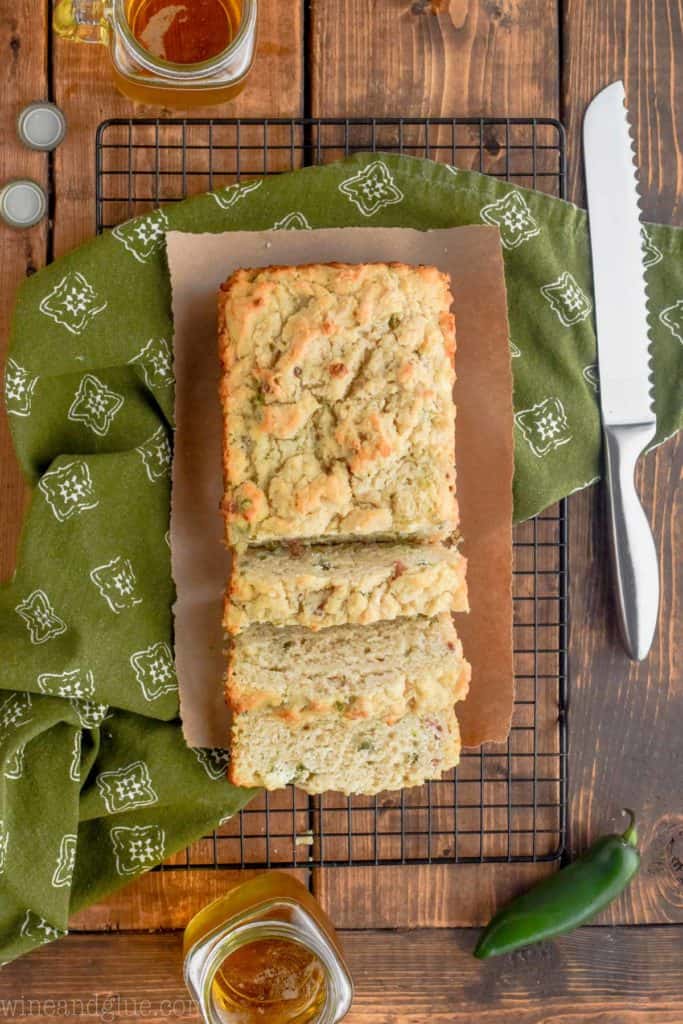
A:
{"x": 175, "y": 53}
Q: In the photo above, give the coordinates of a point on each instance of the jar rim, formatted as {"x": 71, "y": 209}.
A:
{"x": 184, "y": 71}
{"x": 218, "y": 944}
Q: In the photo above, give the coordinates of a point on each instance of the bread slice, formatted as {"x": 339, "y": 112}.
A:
{"x": 332, "y": 584}
{"x": 337, "y": 397}
{"x": 383, "y": 670}
{"x": 329, "y": 752}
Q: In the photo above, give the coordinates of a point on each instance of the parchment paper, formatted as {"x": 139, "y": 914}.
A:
{"x": 484, "y": 451}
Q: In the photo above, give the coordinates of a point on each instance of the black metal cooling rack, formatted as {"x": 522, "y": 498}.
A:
{"x": 506, "y": 802}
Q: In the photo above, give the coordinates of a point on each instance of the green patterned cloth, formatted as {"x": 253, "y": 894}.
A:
{"x": 97, "y": 784}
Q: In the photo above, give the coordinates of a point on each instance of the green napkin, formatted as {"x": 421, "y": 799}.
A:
{"x": 97, "y": 784}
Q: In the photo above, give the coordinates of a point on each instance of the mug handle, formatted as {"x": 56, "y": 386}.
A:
{"x": 82, "y": 21}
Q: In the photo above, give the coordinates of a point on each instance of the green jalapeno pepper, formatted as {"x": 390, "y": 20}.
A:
{"x": 567, "y": 899}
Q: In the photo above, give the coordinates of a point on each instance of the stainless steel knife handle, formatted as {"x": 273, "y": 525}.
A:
{"x": 633, "y": 548}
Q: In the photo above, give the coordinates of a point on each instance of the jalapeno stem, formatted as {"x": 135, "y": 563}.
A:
{"x": 630, "y": 836}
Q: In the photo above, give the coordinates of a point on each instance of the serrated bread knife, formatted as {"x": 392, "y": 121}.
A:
{"x": 628, "y": 417}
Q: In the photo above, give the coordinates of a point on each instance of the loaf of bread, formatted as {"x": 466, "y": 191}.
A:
{"x": 339, "y": 426}
{"x": 322, "y": 585}
{"x": 337, "y": 402}
{"x": 383, "y": 670}
{"x": 331, "y": 752}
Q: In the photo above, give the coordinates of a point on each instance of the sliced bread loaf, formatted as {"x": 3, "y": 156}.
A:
{"x": 385, "y": 670}
{"x": 331, "y": 584}
{"x": 328, "y": 752}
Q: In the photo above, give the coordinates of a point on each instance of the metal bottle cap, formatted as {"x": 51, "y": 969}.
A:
{"x": 23, "y": 203}
{"x": 41, "y": 126}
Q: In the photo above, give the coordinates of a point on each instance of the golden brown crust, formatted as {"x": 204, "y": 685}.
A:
{"x": 235, "y": 778}
{"x": 275, "y": 268}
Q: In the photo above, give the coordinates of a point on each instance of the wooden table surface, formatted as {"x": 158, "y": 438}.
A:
{"x": 408, "y": 931}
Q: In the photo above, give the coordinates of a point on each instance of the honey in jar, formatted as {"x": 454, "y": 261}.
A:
{"x": 174, "y": 53}
{"x": 265, "y": 952}
{"x": 184, "y": 32}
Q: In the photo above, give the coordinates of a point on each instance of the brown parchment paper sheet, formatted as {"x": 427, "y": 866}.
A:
{"x": 484, "y": 451}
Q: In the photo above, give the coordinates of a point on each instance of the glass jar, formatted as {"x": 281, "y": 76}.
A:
{"x": 145, "y": 76}
{"x": 266, "y": 952}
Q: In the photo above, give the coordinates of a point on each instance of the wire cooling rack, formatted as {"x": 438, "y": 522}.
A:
{"x": 506, "y": 802}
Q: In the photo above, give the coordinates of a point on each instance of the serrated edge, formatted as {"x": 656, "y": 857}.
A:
{"x": 649, "y": 315}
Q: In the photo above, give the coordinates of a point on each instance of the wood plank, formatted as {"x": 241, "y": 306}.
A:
{"x": 614, "y": 976}
{"x": 392, "y": 59}
{"x": 396, "y": 58}
{"x": 23, "y": 78}
{"x": 626, "y": 720}
{"x": 420, "y": 896}
{"x": 162, "y": 899}
{"x": 640, "y": 42}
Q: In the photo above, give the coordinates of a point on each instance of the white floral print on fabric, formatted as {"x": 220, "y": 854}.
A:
{"x": 19, "y": 388}
{"x": 66, "y": 861}
{"x": 214, "y": 760}
{"x": 544, "y": 426}
{"x": 231, "y": 194}
{"x": 672, "y": 317}
{"x": 4, "y": 844}
{"x": 95, "y": 405}
{"x": 372, "y": 188}
{"x": 37, "y": 929}
{"x": 14, "y": 768}
{"x": 116, "y": 582}
{"x": 651, "y": 254}
{"x": 515, "y": 351}
{"x": 295, "y": 221}
{"x": 570, "y": 304}
{"x": 138, "y": 848}
{"x": 75, "y": 766}
{"x": 591, "y": 376}
{"x": 156, "y": 361}
{"x": 122, "y": 789}
{"x": 511, "y": 215}
{"x": 155, "y": 672}
{"x": 75, "y": 683}
{"x": 41, "y": 620}
{"x": 68, "y": 490}
{"x": 143, "y": 236}
{"x": 14, "y": 713}
{"x": 90, "y": 713}
{"x": 156, "y": 455}
{"x": 73, "y": 303}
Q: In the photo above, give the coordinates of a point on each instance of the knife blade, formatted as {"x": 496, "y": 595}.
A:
{"x": 628, "y": 417}
{"x": 617, "y": 248}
